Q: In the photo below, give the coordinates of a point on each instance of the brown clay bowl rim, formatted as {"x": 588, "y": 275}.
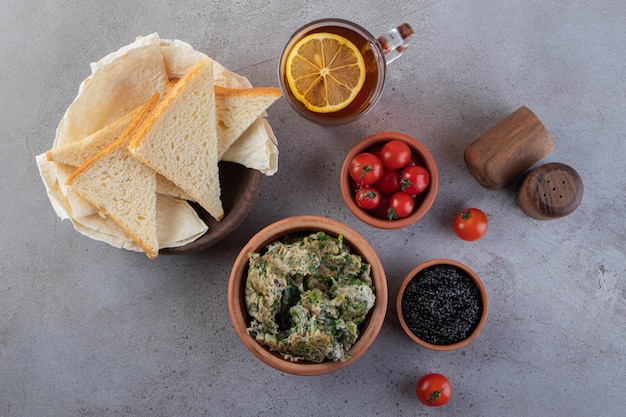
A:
{"x": 298, "y": 224}
{"x": 240, "y": 189}
{"x": 481, "y": 289}
{"x": 428, "y": 195}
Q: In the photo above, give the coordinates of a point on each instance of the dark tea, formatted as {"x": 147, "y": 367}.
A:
{"x": 374, "y": 66}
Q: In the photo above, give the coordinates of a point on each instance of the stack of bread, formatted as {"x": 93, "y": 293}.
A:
{"x": 144, "y": 137}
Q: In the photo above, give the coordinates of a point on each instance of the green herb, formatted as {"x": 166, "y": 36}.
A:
{"x": 308, "y": 296}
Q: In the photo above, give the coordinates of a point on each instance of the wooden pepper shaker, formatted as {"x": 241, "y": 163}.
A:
{"x": 550, "y": 191}
{"x": 509, "y": 148}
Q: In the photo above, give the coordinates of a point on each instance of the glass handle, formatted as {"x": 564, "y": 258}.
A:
{"x": 394, "y": 42}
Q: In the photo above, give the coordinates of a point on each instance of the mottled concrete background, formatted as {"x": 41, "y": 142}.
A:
{"x": 89, "y": 330}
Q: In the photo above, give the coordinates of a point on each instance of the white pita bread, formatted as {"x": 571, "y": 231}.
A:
{"x": 119, "y": 83}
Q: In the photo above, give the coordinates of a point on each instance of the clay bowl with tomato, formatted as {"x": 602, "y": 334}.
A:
{"x": 389, "y": 180}
{"x": 293, "y": 227}
{"x": 442, "y": 304}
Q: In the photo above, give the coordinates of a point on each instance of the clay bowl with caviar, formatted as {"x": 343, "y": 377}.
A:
{"x": 442, "y": 304}
{"x": 389, "y": 180}
{"x": 279, "y": 285}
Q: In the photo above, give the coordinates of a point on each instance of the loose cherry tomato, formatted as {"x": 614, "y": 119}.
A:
{"x": 367, "y": 198}
{"x": 400, "y": 205}
{"x": 415, "y": 179}
{"x": 434, "y": 390}
{"x": 395, "y": 154}
{"x": 389, "y": 182}
{"x": 366, "y": 168}
{"x": 470, "y": 224}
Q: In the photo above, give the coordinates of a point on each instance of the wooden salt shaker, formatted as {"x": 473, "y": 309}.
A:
{"x": 550, "y": 191}
{"x": 509, "y": 148}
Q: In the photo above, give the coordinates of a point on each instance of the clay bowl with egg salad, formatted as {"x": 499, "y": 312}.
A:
{"x": 307, "y": 295}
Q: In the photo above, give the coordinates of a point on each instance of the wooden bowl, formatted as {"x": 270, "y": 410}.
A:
{"x": 240, "y": 189}
{"x": 464, "y": 270}
{"x": 424, "y": 200}
{"x": 305, "y": 224}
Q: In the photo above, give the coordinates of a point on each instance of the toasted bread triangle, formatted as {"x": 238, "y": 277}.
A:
{"x": 179, "y": 139}
{"x": 237, "y": 109}
{"x": 122, "y": 188}
{"x": 78, "y": 152}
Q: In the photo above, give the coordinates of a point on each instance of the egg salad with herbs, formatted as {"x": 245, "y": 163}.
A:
{"x": 308, "y": 296}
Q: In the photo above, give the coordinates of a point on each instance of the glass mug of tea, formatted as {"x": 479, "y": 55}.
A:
{"x": 332, "y": 71}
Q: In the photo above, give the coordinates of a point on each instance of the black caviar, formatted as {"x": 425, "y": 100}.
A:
{"x": 441, "y": 305}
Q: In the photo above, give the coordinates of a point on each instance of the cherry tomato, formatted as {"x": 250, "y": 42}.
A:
{"x": 375, "y": 149}
{"x": 381, "y": 210}
{"x": 400, "y": 205}
{"x": 415, "y": 179}
{"x": 434, "y": 390}
{"x": 366, "y": 168}
{"x": 470, "y": 224}
{"x": 395, "y": 154}
{"x": 415, "y": 160}
{"x": 367, "y": 198}
{"x": 389, "y": 182}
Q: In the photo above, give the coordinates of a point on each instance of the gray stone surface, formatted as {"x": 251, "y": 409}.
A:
{"x": 90, "y": 330}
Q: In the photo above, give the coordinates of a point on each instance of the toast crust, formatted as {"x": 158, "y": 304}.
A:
{"x": 247, "y": 92}
{"x": 148, "y": 244}
{"x": 202, "y": 163}
{"x": 123, "y": 139}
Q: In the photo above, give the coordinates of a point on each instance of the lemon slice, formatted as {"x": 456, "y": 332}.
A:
{"x": 325, "y": 72}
